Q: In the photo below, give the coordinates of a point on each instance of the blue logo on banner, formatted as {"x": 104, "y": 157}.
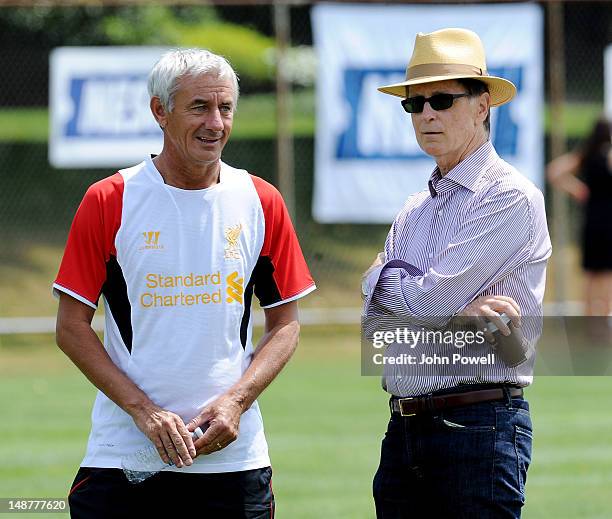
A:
{"x": 110, "y": 106}
{"x": 350, "y": 146}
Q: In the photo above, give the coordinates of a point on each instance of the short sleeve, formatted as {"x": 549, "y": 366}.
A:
{"x": 281, "y": 274}
{"x": 90, "y": 244}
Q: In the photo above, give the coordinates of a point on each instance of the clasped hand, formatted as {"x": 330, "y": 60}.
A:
{"x": 486, "y": 309}
{"x": 220, "y": 422}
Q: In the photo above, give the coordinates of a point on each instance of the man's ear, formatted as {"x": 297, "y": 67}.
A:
{"x": 159, "y": 112}
{"x": 484, "y": 105}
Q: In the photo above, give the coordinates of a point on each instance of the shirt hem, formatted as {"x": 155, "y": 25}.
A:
{"x": 59, "y": 288}
{"x": 526, "y": 382}
{"x": 208, "y": 468}
{"x": 303, "y": 293}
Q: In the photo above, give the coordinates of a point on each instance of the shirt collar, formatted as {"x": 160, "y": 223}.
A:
{"x": 467, "y": 173}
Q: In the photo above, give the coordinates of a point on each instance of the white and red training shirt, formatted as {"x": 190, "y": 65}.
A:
{"x": 177, "y": 269}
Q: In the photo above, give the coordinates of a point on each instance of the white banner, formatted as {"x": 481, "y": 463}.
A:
{"x": 367, "y": 160}
{"x": 99, "y": 106}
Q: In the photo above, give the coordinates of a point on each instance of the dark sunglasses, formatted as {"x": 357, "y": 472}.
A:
{"x": 415, "y": 105}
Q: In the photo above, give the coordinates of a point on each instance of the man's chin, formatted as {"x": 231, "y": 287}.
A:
{"x": 432, "y": 150}
{"x": 206, "y": 159}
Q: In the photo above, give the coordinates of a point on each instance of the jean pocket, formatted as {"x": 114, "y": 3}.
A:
{"x": 464, "y": 425}
{"x": 523, "y": 439}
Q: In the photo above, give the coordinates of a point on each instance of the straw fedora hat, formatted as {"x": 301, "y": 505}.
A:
{"x": 451, "y": 54}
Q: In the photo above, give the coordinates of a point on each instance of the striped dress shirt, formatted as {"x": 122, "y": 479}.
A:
{"x": 479, "y": 230}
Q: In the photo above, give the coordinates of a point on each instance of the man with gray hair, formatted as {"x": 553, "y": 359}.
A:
{"x": 177, "y": 245}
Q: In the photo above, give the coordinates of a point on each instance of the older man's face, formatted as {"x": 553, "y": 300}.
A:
{"x": 445, "y": 134}
{"x": 200, "y": 123}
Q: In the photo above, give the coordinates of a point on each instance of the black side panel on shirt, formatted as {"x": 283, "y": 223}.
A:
{"x": 266, "y": 289}
{"x": 115, "y": 293}
{"x": 246, "y": 317}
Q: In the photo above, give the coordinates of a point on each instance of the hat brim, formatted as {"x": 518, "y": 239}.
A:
{"x": 501, "y": 90}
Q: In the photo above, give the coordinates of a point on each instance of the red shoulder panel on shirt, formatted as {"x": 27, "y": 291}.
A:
{"x": 290, "y": 274}
{"x": 91, "y": 241}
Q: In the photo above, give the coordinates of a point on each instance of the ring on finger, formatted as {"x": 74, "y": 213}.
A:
{"x": 219, "y": 445}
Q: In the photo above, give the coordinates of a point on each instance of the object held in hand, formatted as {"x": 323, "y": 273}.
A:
{"x": 512, "y": 349}
{"x": 144, "y": 463}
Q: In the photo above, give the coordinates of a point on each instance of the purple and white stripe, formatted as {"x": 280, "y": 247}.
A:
{"x": 479, "y": 230}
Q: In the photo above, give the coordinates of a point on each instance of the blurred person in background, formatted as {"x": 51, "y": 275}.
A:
{"x": 473, "y": 244}
{"x": 586, "y": 175}
{"x": 177, "y": 245}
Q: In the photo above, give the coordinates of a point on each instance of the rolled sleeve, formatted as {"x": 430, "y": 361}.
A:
{"x": 493, "y": 240}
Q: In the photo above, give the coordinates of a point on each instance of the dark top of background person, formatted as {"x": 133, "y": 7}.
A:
{"x": 595, "y": 161}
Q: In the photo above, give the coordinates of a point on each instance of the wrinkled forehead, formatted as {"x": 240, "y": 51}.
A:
{"x": 448, "y": 86}
{"x": 205, "y": 83}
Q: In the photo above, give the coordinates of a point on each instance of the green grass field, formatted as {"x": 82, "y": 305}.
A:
{"x": 324, "y": 423}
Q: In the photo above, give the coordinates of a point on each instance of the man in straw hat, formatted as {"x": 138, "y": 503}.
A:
{"x": 472, "y": 246}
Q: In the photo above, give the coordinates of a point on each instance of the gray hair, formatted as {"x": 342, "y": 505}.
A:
{"x": 476, "y": 88}
{"x": 177, "y": 63}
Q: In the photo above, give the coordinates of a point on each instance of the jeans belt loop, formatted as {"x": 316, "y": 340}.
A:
{"x": 507, "y": 396}
{"x": 429, "y": 404}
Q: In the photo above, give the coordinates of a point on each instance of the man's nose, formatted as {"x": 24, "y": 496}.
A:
{"x": 428, "y": 111}
{"x": 214, "y": 121}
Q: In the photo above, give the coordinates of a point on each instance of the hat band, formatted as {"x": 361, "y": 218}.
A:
{"x": 440, "y": 69}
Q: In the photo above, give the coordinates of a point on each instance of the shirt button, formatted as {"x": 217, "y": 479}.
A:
{"x": 440, "y": 212}
{"x": 430, "y": 255}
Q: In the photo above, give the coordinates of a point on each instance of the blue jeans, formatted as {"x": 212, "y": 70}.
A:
{"x": 466, "y": 462}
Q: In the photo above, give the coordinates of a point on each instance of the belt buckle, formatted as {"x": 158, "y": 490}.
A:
{"x": 401, "y": 409}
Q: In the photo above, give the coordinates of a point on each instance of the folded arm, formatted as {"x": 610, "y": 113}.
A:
{"x": 494, "y": 239}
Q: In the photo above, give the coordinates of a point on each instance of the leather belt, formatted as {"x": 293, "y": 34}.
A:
{"x": 414, "y": 405}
